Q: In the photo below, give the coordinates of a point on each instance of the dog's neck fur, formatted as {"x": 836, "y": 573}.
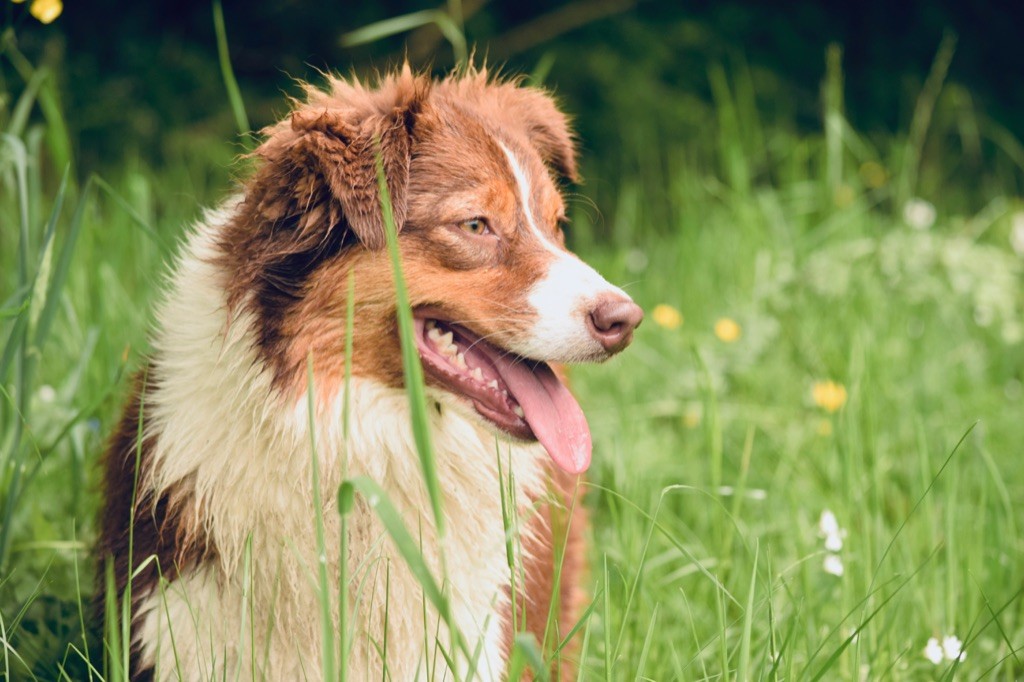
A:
{"x": 241, "y": 455}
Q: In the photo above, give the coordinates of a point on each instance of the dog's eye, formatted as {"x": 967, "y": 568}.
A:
{"x": 562, "y": 226}
{"x": 477, "y": 226}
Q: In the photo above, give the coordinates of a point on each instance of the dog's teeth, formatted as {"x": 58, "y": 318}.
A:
{"x": 433, "y": 333}
{"x": 519, "y": 412}
{"x": 493, "y": 383}
{"x": 477, "y": 374}
{"x": 445, "y": 339}
{"x": 450, "y": 351}
{"x": 460, "y": 361}
{"x": 431, "y": 324}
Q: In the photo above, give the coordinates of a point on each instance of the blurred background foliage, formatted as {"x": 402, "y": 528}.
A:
{"x": 641, "y": 77}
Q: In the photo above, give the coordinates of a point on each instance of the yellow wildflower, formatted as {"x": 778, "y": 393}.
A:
{"x": 666, "y": 316}
{"x": 829, "y": 395}
{"x": 873, "y": 174}
{"x": 692, "y": 417}
{"x": 844, "y": 196}
{"x": 46, "y": 10}
{"x": 727, "y": 330}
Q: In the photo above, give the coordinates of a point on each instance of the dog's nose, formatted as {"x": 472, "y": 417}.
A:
{"x": 612, "y": 322}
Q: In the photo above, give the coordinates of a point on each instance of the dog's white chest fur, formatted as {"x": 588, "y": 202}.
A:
{"x": 226, "y": 437}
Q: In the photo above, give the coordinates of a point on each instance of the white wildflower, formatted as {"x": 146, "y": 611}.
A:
{"x": 828, "y": 524}
{"x": 828, "y": 527}
{"x": 919, "y": 214}
{"x": 833, "y": 564}
{"x": 953, "y": 648}
{"x": 1017, "y": 233}
{"x": 47, "y": 393}
{"x": 636, "y": 260}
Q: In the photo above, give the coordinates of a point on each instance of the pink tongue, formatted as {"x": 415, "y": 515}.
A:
{"x": 552, "y": 413}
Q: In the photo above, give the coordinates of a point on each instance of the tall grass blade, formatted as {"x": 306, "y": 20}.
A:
{"x": 27, "y": 288}
{"x": 49, "y": 102}
{"x": 525, "y": 645}
{"x": 923, "y": 111}
{"x": 139, "y": 221}
{"x": 450, "y": 27}
{"x": 227, "y": 72}
{"x": 324, "y": 596}
{"x": 645, "y": 650}
{"x": 607, "y": 624}
{"x": 385, "y": 28}
{"x": 22, "y": 109}
{"x": 114, "y": 648}
{"x": 381, "y": 504}
{"x": 542, "y": 70}
{"x": 833, "y": 101}
{"x": 345, "y": 621}
{"x": 583, "y": 620}
{"x": 62, "y": 269}
{"x": 17, "y": 351}
{"x": 412, "y": 368}
{"x": 743, "y": 667}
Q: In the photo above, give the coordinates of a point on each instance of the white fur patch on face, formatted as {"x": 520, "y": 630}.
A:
{"x": 563, "y": 298}
{"x": 523, "y": 183}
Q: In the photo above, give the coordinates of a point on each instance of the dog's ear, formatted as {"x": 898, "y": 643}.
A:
{"x": 344, "y": 155}
{"x": 319, "y": 170}
{"x": 547, "y": 129}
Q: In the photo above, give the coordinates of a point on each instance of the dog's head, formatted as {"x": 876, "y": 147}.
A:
{"x": 473, "y": 168}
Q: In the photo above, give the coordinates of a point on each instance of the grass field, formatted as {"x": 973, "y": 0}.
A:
{"x": 827, "y": 340}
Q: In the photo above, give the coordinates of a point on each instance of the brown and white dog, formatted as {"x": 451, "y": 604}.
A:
{"x": 217, "y": 521}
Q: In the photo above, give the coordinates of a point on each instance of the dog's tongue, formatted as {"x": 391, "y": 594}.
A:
{"x": 552, "y": 413}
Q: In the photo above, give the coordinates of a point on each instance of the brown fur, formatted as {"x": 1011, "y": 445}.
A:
{"x": 165, "y": 540}
{"x": 554, "y": 544}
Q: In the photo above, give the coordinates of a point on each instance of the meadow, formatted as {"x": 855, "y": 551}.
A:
{"x": 806, "y": 466}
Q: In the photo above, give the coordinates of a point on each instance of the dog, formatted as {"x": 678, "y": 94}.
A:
{"x": 209, "y": 525}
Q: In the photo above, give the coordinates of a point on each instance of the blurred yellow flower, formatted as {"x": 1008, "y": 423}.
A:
{"x": 46, "y": 10}
{"x": 727, "y": 330}
{"x": 829, "y": 395}
{"x": 692, "y": 417}
{"x": 844, "y": 196}
{"x": 873, "y": 174}
{"x": 666, "y": 316}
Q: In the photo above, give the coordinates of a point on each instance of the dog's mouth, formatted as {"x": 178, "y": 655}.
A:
{"x": 519, "y": 396}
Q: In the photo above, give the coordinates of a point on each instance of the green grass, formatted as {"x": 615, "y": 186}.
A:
{"x": 712, "y": 463}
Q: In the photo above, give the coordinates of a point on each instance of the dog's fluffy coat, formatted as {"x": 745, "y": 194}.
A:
{"x": 217, "y": 521}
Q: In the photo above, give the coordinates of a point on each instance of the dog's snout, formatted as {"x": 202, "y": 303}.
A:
{"x": 612, "y": 322}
